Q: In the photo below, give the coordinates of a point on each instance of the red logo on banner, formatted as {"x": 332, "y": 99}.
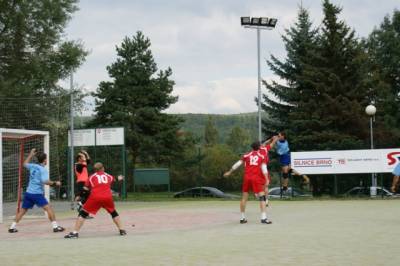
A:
{"x": 393, "y": 158}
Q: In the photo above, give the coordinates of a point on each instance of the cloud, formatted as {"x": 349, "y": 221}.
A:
{"x": 225, "y": 96}
{"x": 213, "y": 58}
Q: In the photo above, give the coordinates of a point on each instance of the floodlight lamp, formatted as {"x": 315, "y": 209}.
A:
{"x": 255, "y": 21}
{"x": 245, "y": 21}
{"x": 264, "y": 21}
{"x": 272, "y": 22}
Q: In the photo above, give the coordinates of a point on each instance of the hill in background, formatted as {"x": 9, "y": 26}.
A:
{"x": 195, "y": 123}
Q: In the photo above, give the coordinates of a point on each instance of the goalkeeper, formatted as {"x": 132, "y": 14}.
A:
{"x": 82, "y": 175}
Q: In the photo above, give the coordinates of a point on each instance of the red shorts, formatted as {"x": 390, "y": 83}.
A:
{"x": 256, "y": 185}
{"x": 93, "y": 204}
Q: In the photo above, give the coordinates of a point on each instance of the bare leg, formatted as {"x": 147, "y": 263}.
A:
{"x": 50, "y": 212}
{"x": 285, "y": 181}
{"x": 20, "y": 214}
{"x": 394, "y": 183}
{"x": 118, "y": 223}
{"x": 306, "y": 179}
{"x": 262, "y": 203}
{"x": 243, "y": 202}
{"x": 79, "y": 223}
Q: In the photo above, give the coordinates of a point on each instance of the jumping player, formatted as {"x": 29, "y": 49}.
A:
{"x": 282, "y": 148}
{"x": 100, "y": 197}
{"x": 255, "y": 178}
{"x": 82, "y": 175}
{"x": 34, "y": 195}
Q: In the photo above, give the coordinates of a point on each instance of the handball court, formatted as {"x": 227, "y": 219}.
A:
{"x": 329, "y": 232}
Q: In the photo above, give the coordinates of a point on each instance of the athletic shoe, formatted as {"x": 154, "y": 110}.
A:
{"x": 72, "y": 235}
{"x": 266, "y": 221}
{"x": 12, "y": 230}
{"x": 122, "y": 232}
{"x": 58, "y": 229}
{"x": 243, "y": 221}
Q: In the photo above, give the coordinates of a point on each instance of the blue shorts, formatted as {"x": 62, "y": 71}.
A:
{"x": 284, "y": 159}
{"x": 396, "y": 170}
{"x": 33, "y": 199}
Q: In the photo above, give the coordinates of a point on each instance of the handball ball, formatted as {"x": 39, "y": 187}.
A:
{"x": 370, "y": 110}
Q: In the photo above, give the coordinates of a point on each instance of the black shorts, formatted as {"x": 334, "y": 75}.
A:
{"x": 79, "y": 188}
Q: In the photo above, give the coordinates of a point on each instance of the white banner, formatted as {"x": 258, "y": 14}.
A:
{"x": 82, "y": 137}
{"x": 346, "y": 161}
{"x": 110, "y": 136}
{"x": 97, "y": 137}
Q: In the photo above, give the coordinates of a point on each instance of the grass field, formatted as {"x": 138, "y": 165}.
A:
{"x": 344, "y": 232}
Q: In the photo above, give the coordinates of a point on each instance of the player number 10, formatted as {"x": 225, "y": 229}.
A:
{"x": 102, "y": 179}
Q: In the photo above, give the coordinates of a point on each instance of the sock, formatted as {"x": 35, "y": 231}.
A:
{"x": 54, "y": 224}
{"x": 243, "y": 216}
{"x": 266, "y": 201}
{"x": 75, "y": 232}
{"x": 263, "y": 215}
{"x": 13, "y": 225}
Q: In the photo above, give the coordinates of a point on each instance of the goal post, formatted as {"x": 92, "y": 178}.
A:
{"x": 15, "y": 144}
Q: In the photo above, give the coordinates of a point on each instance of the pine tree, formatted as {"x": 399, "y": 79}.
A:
{"x": 383, "y": 48}
{"x": 135, "y": 99}
{"x": 336, "y": 74}
{"x": 295, "y": 96}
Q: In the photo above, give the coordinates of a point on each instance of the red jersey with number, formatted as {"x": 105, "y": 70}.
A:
{"x": 252, "y": 165}
{"x": 100, "y": 184}
{"x": 264, "y": 151}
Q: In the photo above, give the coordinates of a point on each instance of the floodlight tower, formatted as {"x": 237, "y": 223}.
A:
{"x": 259, "y": 23}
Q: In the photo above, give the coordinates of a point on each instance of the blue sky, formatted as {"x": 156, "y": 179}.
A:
{"x": 214, "y": 59}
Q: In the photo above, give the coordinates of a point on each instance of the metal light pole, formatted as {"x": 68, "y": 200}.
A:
{"x": 259, "y": 84}
{"x": 72, "y": 139}
{"x": 371, "y": 111}
{"x": 259, "y": 24}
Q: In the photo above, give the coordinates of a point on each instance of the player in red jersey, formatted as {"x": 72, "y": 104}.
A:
{"x": 100, "y": 197}
{"x": 266, "y": 146}
{"x": 255, "y": 178}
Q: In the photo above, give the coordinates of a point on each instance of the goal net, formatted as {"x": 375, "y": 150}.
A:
{"x": 15, "y": 145}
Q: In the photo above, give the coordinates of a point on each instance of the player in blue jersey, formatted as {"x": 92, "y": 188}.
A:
{"x": 395, "y": 182}
{"x": 34, "y": 195}
{"x": 283, "y": 150}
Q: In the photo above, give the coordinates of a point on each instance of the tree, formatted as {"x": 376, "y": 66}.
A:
{"x": 327, "y": 94}
{"x": 135, "y": 99}
{"x": 295, "y": 96}
{"x": 383, "y": 48}
{"x": 34, "y": 57}
{"x": 218, "y": 159}
{"x": 210, "y": 132}
{"x": 239, "y": 140}
{"x": 338, "y": 78}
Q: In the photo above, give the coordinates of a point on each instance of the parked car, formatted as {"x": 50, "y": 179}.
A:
{"x": 204, "y": 192}
{"x": 275, "y": 192}
{"x": 365, "y": 192}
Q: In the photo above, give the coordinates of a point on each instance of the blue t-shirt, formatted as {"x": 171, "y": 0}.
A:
{"x": 282, "y": 147}
{"x": 38, "y": 175}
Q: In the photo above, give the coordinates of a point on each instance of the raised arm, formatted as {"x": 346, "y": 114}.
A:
{"x": 29, "y": 158}
{"x": 234, "y": 167}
